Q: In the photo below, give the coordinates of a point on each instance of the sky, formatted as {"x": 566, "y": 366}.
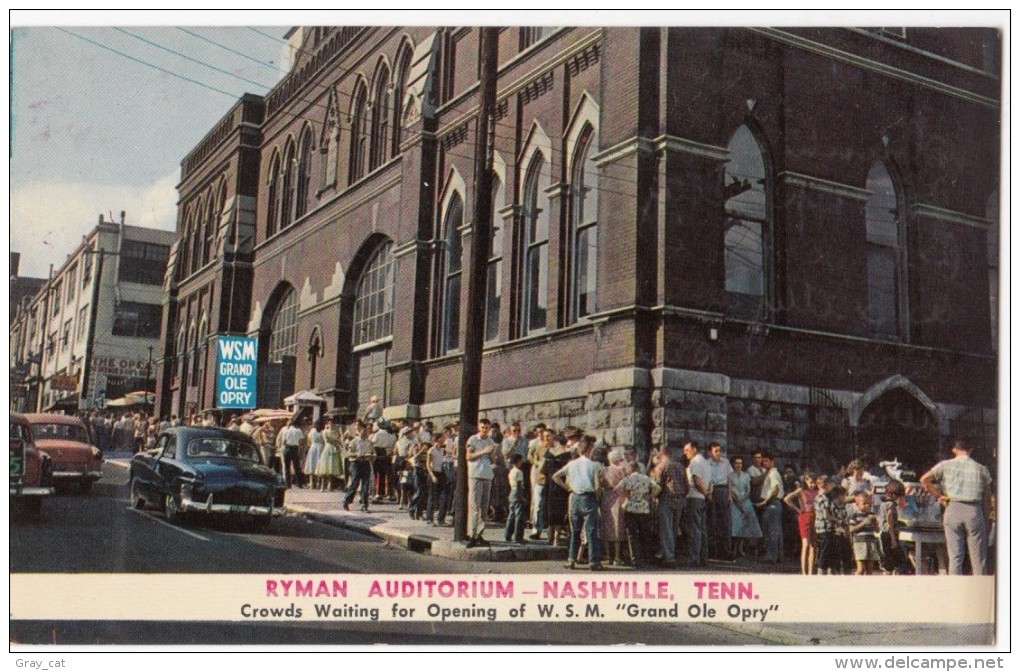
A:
{"x": 101, "y": 116}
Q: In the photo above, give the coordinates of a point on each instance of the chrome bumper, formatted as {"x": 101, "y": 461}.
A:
{"x": 32, "y": 491}
{"x": 209, "y": 506}
{"x": 78, "y": 475}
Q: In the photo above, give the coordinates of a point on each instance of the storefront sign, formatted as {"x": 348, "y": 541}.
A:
{"x": 64, "y": 383}
{"x": 236, "y": 369}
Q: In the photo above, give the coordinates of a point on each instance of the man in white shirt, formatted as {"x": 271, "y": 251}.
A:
{"x": 699, "y": 476}
{"x": 771, "y": 503}
{"x": 480, "y": 473}
{"x": 291, "y": 439}
{"x": 383, "y": 440}
{"x": 581, "y": 477}
{"x": 361, "y": 453}
{"x": 719, "y": 504}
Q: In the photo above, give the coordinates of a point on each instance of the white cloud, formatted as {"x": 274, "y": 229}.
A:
{"x": 48, "y": 219}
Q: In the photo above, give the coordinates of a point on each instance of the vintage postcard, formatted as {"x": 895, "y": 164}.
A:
{"x": 670, "y": 330}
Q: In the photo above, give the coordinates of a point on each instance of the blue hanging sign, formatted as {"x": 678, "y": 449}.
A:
{"x": 236, "y": 368}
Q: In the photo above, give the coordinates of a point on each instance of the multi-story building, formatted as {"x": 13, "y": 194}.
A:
{"x": 775, "y": 238}
{"x": 23, "y": 291}
{"x": 89, "y": 334}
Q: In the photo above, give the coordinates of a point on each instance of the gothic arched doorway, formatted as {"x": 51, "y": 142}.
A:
{"x": 897, "y": 425}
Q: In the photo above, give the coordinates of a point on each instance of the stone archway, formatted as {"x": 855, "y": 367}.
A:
{"x": 896, "y": 420}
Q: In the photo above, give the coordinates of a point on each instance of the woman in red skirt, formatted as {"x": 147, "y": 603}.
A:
{"x": 802, "y": 500}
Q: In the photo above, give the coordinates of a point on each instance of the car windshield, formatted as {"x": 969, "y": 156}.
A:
{"x": 212, "y": 446}
{"x": 55, "y": 430}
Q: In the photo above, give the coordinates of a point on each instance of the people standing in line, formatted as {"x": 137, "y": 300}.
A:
{"x": 265, "y": 438}
{"x": 719, "y": 504}
{"x": 362, "y": 453}
{"x": 407, "y": 438}
{"x": 513, "y": 442}
{"x": 802, "y": 501}
{"x": 480, "y": 447}
{"x": 964, "y": 487}
{"x": 694, "y": 521}
{"x": 517, "y": 514}
{"x": 673, "y": 485}
{"x": 291, "y": 439}
{"x": 316, "y": 443}
{"x": 771, "y": 505}
{"x": 743, "y": 520}
{"x": 825, "y": 525}
{"x": 334, "y": 455}
{"x": 537, "y": 450}
{"x": 435, "y": 513}
{"x": 382, "y": 466}
{"x": 419, "y": 462}
{"x": 373, "y": 411}
{"x": 894, "y": 559}
{"x": 614, "y": 530}
{"x": 556, "y": 499}
{"x": 499, "y": 497}
{"x": 638, "y": 493}
{"x": 582, "y": 478}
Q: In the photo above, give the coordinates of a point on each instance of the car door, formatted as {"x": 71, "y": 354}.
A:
{"x": 146, "y": 473}
{"x": 167, "y": 466}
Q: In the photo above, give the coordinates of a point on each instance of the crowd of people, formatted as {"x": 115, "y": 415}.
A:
{"x": 682, "y": 506}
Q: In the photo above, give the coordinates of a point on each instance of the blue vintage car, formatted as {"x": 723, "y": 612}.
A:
{"x": 206, "y": 471}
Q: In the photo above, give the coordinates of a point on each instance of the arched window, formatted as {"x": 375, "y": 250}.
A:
{"x": 359, "y": 135}
{"x": 289, "y": 186}
{"x": 183, "y": 253}
{"x": 373, "y": 326}
{"x": 373, "y": 305}
{"x": 210, "y": 229}
{"x": 536, "y": 246}
{"x": 314, "y": 354}
{"x": 584, "y": 233}
{"x": 275, "y": 196}
{"x": 452, "y": 275}
{"x": 886, "y": 255}
{"x": 399, "y": 91}
{"x": 747, "y": 228}
{"x": 992, "y": 214}
{"x": 381, "y": 106}
{"x": 283, "y": 334}
{"x": 304, "y": 173}
{"x": 493, "y": 275}
{"x": 196, "y": 237}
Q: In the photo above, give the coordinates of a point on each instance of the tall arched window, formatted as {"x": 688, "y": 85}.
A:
{"x": 373, "y": 327}
{"x": 359, "y": 134}
{"x": 210, "y": 229}
{"x": 183, "y": 254}
{"x": 493, "y": 274}
{"x": 381, "y": 106}
{"x": 275, "y": 195}
{"x": 283, "y": 334}
{"x": 886, "y": 255}
{"x": 304, "y": 173}
{"x": 452, "y": 275}
{"x": 196, "y": 237}
{"x": 536, "y": 246}
{"x": 747, "y": 228}
{"x": 289, "y": 186}
{"x": 584, "y": 233}
{"x": 399, "y": 91}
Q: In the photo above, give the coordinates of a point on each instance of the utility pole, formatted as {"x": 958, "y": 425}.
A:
{"x": 481, "y": 232}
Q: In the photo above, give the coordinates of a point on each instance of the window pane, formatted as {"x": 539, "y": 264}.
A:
{"x": 744, "y": 272}
{"x": 882, "y": 290}
{"x": 587, "y": 262}
{"x": 538, "y": 286}
{"x": 283, "y": 338}
{"x": 492, "y": 294}
{"x": 881, "y": 215}
{"x": 451, "y": 314}
{"x": 373, "y": 305}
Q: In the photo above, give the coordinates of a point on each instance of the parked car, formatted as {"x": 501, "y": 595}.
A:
{"x": 70, "y": 444}
{"x": 206, "y": 471}
{"x": 31, "y": 468}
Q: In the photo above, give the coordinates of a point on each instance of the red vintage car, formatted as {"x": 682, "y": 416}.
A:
{"x": 68, "y": 441}
{"x": 31, "y": 469}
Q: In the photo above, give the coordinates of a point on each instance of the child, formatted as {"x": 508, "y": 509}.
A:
{"x": 839, "y": 549}
{"x": 517, "y": 515}
{"x": 863, "y": 526}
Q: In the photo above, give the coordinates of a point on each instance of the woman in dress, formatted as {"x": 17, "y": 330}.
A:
{"x": 802, "y": 500}
{"x": 613, "y": 530}
{"x": 316, "y": 442}
{"x": 556, "y": 498}
{"x": 329, "y": 468}
{"x": 743, "y": 521}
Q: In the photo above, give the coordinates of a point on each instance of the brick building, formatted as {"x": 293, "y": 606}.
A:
{"x": 775, "y": 238}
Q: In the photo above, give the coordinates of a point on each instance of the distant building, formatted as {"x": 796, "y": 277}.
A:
{"x": 81, "y": 343}
{"x": 774, "y": 238}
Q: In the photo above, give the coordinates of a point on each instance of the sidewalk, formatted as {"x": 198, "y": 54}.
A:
{"x": 386, "y": 521}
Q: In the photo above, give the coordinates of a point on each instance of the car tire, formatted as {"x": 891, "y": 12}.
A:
{"x": 172, "y": 509}
{"x": 137, "y": 501}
